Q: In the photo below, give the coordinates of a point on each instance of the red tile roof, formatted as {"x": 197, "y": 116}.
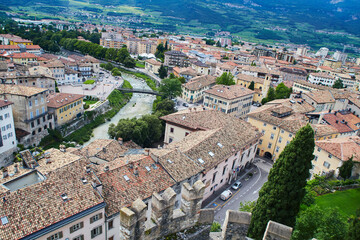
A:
{"x": 61, "y": 99}
{"x": 342, "y": 148}
{"x": 4, "y": 103}
{"x": 342, "y": 122}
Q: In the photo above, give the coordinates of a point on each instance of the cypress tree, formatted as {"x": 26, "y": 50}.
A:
{"x": 281, "y": 196}
{"x": 252, "y": 85}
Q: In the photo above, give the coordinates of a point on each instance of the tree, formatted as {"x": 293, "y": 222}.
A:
{"x": 282, "y": 91}
{"x": 170, "y": 88}
{"x": 354, "y": 227}
{"x": 218, "y": 44}
{"x": 247, "y": 206}
{"x": 165, "y": 107}
{"x": 315, "y": 222}
{"x": 162, "y": 72}
{"x": 338, "y": 84}
{"x": 252, "y": 85}
{"x": 271, "y": 95}
{"x": 215, "y": 227}
{"x": 280, "y": 197}
{"x": 346, "y": 169}
{"x": 226, "y": 79}
{"x": 129, "y": 62}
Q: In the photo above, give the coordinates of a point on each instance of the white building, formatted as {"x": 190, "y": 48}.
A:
{"x": 323, "y": 52}
{"x": 302, "y": 51}
{"x": 71, "y": 77}
{"x": 321, "y": 78}
{"x": 7, "y": 133}
{"x": 340, "y": 56}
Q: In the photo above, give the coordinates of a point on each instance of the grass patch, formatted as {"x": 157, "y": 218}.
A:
{"x": 140, "y": 64}
{"x": 89, "y": 82}
{"x": 347, "y": 201}
{"x": 147, "y": 79}
{"x": 89, "y": 102}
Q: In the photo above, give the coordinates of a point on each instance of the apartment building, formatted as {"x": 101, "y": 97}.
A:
{"x": 152, "y": 65}
{"x": 293, "y": 74}
{"x": 111, "y": 40}
{"x": 331, "y": 154}
{"x": 331, "y": 63}
{"x": 320, "y": 100}
{"x": 193, "y": 91}
{"x": 176, "y": 58}
{"x": 65, "y": 107}
{"x": 322, "y": 78}
{"x": 31, "y": 116}
{"x": 57, "y": 68}
{"x": 201, "y": 68}
{"x": 8, "y": 143}
{"x": 23, "y": 58}
{"x": 346, "y": 123}
{"x": 146, "y": 47}
{"x": 261, "y": 85}
{"x": 217, "y": 145}
{"x": 234, "y": 99}
{"x": 280, "y": 122}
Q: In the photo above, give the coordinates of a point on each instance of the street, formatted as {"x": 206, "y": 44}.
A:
{"x": 248, "y": 192}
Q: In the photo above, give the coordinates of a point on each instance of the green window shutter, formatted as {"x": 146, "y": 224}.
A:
{"x": 100, "y": 230}
{"x": 81, "y": 224}
{"x": 60, "y": 234}
{"x": 82, "y": 237}
{"x": 72, "y": 229}
{"x": 100, "y": 216}
{"x": 91, "y": 220}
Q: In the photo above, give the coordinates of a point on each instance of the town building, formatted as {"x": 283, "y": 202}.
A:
{"x": 111, "y": 40}
{"x": 152, "y": 66}
{"x": 209, "y": 142}
{"x": 354, "y": 105}
{"x": 261, "y": 85}
{"x": 176, "y": 58}
{"x": 31, "y": 116}
{"x": 71, "y": 76}
{"x": 65, "y": 107}
{"x": 193, "y": 91}
{"x": 340, "y": 56}
{"x": 322, "y": 100}
{"x": 187, "y": 73}
{"x": 57, "y": 68}
{"x": 234, "y": 99}
{"x": 322, "y": 52}
{"x": 201, "y": 68}
{"x": 293, "y": 74}
{"x": 279, "y": 122}
{"x": 346, "y": 123}
{"x": 331, "y": 154}
{"x": 322, "y": 79}
{"x": 23, "y": 58}
{"x": 8, "y": 143}
{"x": 332, "y": 63}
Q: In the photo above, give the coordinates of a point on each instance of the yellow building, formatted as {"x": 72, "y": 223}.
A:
{"x": 65, "y": 107}
{"x": 152, "y": 65}
{"x": 329, "y": 155}
{"x": 23, "y": 58}
{"x": 16, "y": 41}
{"x": 332, "y": 63}
{"x": 193, "y": 91}
{"x": 279, "y": 123}
{"x": 261, "y": 86}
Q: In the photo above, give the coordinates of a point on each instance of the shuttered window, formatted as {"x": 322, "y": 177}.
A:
{"x": 55, "y": 236}
{"x": 95, "y": 218}
{"x": 76, "y": 227}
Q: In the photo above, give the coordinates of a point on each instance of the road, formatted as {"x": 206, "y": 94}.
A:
{"x": 248, "y": 192}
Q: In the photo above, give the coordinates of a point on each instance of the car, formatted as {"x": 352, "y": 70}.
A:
{"x": 236, "y": 185}
{"x": 225, "y": 195}
{"x": 185, "y": 104}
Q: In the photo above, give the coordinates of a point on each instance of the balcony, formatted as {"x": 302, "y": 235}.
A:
{"x": 36, "y": 117}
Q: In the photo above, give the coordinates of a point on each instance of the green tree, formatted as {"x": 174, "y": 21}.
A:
{"x": 182, "y": 79}
{"x": 338, "y": 84}
{"x": 215, "y": 227}
{"x": 346, "y": 169}
{"x": 252, "y": 85}
{"x": 170, "y": 88}
{"x": 160, "y": 49}
{"x": 247, "y": 206}
{"x": 162, "y": 72}
{"x": 354, "y": 227}
{"x": 271, "y": 95}
{"x": 226, "y": 79}
{"x": 129, "y": 62}
{"x": 332, "y": 227}
{"x": 253, "y": 64}
{"x": 307, "y": 223}
{"x": 280, "y": 197}
{"x": 165, "y": 107}
{"x": 282, "y": 91}
{"x": 218, "y": 44}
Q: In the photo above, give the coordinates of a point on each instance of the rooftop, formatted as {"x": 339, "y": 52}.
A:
{"x": 229, "y": 92}
{"x": 4, "y": 103}
{"x": 343, "y": 148}
{"x": 20, "y": 90}
{"x": 343, "y": 121}
{"x": 200, "y": 82}
{"x": 321, "y": 96}
{"x": 249, "y": 78}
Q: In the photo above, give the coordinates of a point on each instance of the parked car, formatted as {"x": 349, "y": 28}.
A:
{"x": 236, "y": 185}
{"x": 225, "y": 195}
{"x": 185, "y": 104}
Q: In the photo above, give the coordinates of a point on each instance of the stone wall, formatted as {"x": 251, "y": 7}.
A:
{"x": 189, "y": 222}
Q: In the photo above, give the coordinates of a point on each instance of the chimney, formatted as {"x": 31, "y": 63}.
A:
{"x": 48, "y": 159}
{"x": 88, "y": 169}
{"x": 5, "y": 173}
{"x": 106, "y": 168}
{"x": 335, "y": 113}
{"x": 147, "y": 151}
{"x": 337, "y": 121}
{"x": 16, "y": 169}
{"x": 120, "y": 140}
{"x": 136, "y": 172}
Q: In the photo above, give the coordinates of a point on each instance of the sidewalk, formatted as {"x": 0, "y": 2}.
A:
{"x": 216, "y": 194}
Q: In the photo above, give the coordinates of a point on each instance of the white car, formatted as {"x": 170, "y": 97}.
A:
{"x": 236, "y": 185}
{"x": 225, "y": 195}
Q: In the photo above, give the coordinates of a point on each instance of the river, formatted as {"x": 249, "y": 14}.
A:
{"x": 139, "y": 105}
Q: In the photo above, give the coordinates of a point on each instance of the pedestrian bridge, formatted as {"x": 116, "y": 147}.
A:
{"x": 135, "y": 90}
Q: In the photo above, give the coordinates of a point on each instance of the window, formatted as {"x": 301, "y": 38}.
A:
{"x": 282, "y": 131}
{"x": 316, "y": 158}
{"x": 95, "y": 218}
{"x": 96, "y": 231}
{"x": 170, "y": 140}
{"x": 76, "y": 227}
{"x": 172, "y": 130}
{"x": 330, "y": 156}
{"x": 272, "y": 136}
{"x": 260, "y": 141}
{"x": 55, "y": 236}
{"x": 31, "y": 115}
{"x": 326, "y": 164}
{"x": 4, "y": 137}
{"x": 36, "y": 102}
{"x": 274, "y": 128}
{"x": 112, "y": 238}
{"x": 214, "y": 177}
{"x": 224, "y": 170}
{"x": 319, "y": 149}
{"x": 7, "y": 115}
{"x": 277, "y": 149}
{"x": 269, "y": 145}
{"x": 81, "y": 237}
{"x": 290, "y": 135}
{"x": 186, "y": 134}
{"x": 265, "y": 124}
{"x": 263, "y": 132}
{"x": 280, "y": 139}
{"x": 111, "y": 224}
{"x": 43, "y": 109}
{"x": 37, "y": 112}
{"x": 1, "y": 117}
{"x": 3, "y": 128}
{"x": 30, "y": 103}
{"x": 287, "y": 143}
{"x": 42, "y": 99}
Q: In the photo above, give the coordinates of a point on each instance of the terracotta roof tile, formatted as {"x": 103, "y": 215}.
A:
{"x": 342, "y": 148}
{"x": 229, "y": 92}
{"x": 59, "y": 100}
